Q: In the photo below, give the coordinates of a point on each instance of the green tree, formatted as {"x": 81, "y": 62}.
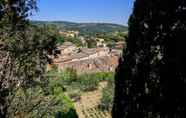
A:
{"x": 150, "y": 79}
{"x": 24, "y": 53}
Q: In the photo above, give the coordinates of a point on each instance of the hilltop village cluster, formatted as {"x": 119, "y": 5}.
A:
{"x": 87, "y": 60}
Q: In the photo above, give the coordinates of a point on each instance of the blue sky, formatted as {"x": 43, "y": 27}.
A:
{"x": 109, "y": 11}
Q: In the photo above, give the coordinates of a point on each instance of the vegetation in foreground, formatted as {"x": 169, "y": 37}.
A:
{"x": 25, "y": 50}
{"x": 74, "y": 85}
{"x": 151, "y": 76}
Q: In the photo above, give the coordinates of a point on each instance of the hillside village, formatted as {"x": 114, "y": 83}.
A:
{"x": 61, "y": 69}
{"x": 101, "y": 58}
{"x": 94, "y": 66}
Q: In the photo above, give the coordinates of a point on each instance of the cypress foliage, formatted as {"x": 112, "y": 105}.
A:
{"x": 151, "y": 77}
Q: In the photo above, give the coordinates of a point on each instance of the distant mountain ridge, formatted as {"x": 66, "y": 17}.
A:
{"x": 85, "y": 27}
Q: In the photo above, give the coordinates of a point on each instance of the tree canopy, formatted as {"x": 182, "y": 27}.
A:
{"x": 150, "y": 79}
{"x": 24, "y": 53}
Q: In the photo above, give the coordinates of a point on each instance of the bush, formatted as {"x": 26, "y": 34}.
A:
{"x": 64, "y": 105}
{"x": 60, "y": 39}
{"x": 87, "y": 82}
{"x": 68, "y": 76}
{"x": 107, "y": 96}
{"x": 90, "y": 82}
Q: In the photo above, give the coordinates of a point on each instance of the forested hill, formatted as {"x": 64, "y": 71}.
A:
{"x": 85, "y": 27}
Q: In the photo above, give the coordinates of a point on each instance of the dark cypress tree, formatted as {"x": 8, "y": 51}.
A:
{"x": 151, "y": 76}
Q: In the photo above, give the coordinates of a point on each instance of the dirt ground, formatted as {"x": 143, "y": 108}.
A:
{"x": 89, "y": 102}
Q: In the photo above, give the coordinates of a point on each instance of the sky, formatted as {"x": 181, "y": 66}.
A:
{"x": 107, "y": 11}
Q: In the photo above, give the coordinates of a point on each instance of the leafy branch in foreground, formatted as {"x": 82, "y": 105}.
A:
{"x": 24, "y": 53}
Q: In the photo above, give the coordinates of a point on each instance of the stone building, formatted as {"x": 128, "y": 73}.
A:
{"x": 87, "y": 60}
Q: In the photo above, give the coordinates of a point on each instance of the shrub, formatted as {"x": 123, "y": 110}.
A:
{"x": 69, "y": 75}
{"x": 64, "y": 105}
{"x": 107, "y": 96}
